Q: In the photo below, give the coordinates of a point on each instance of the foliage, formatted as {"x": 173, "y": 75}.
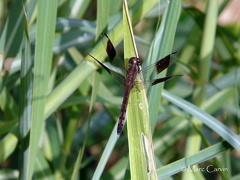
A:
{"x": 58, "y": 113}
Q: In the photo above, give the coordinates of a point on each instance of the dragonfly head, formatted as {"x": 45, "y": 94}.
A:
{"x": 134, "y": 60}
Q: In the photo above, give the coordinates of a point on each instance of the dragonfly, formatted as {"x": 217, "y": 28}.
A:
{"x": 128, "y": 77}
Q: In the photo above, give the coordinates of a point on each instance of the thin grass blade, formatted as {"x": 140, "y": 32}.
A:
{"x": 43, "y": 57}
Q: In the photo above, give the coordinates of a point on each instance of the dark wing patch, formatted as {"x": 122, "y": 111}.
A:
{"x": 110, "y": 49}
{"x": 163, "y": 63}
{"x": 156, "y": 81}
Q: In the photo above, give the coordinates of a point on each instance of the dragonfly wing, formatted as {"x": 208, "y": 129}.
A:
{"x": 101, "y": 64}
{"x": 159, "y": 80}
{"x": 164, "y": 63}
{"x": 119, "y": 76}
{"x": 113, "y": 58}
{"x": 116, "y": 67}
{"x": 116, "y": 73}
{"x": 160, "y": 65}
{"x": 111, "y": 51}
{"x": 147, "y": 83}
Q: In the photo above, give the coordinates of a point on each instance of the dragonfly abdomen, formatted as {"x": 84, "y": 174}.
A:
{"x": 123, "y": 112}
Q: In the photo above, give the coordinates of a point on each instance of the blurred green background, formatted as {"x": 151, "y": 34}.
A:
{"x": 50, "y": 85}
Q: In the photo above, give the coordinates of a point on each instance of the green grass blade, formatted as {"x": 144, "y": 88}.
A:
{"x": 82, "y": 7}
{"x": 103, "y": 8}
{"x": 77, "y": 165}
{"x": 6, "y": 127}
{"x": 44, "y": 43}
{"x": 207, "y": 47}
{"x": 162, "y": 46}
{"x": 68, "y": 86}
{"x": 8, "y": 105}
{"x": 10, "y": 40}
{"x": 142, "y": 164}
{"x": 185, "y": 163}
{"x": 95, "y": 84}
{"x": 8, "y": 145}
{"x": 9, "y": 142}
{"x": 43, "y": 170}
{"x": 207, "y": 119}
{"x": 106, "y": 154}
{"x": 26, "y": 85}
{"x": 25, "y": 99}
{"x": 218, "y": 100}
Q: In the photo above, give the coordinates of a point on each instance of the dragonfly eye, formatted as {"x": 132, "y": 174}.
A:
{"x": 131, "y": 60}
{"x": 138, "y": 62}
